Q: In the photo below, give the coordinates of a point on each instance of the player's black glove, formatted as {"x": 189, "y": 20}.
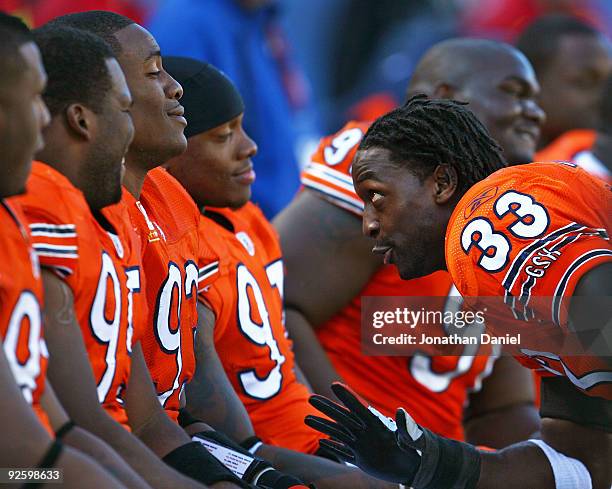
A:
{"x": 397, "y": 451}
{"x": 252, "y": 470}
{"x": 362, "y": 436}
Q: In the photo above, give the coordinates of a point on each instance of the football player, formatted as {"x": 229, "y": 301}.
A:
{"x": 94, "y": 308}
{"x": 244, "y": 358}
{"x": 166, "y": 219}
{"x": 330, "y": 265}
{"x": 29, "y": 408}
{"x": 442, "y": 199}
{"x": 242, "y": 281}
{"x": 572, "y": 61}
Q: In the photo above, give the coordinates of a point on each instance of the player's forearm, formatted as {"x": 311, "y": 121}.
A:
{"x": 323, "y": 473}
{"x": 512, "y": 424}
{"x": 510, "y": 465}
{"x": 138, "y": 455}
{"x": 210, "y": 395}
{"x": 309, "y": 354}
{"x": 105, "y": 456}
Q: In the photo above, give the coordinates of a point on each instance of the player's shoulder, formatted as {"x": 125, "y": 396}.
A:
{"x": 507, "y": 217}
{"x": 45, "y": 184}
{"x": 329, "y": 172}
{"x": 250, "y": 231}
{"x": 545, "y": 181}
{"x": 337, "y": 150}
{"x": 60, "y": 221}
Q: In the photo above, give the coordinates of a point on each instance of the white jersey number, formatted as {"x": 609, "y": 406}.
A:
{"x": 260, "y": 334}
{"x": 26, "y": 310}
{"x": 341, "y": 145}
{"x": 170, "y": 339}
{"x": 106, "y": 329}
{"x": 532, "y": 221}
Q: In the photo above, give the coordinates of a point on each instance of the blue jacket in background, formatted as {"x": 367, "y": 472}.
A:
{"x": 234, "y": 40}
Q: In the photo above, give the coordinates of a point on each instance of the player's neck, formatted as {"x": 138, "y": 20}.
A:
{"x": 133, "y": 179}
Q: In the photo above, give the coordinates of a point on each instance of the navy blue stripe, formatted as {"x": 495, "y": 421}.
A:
{"x": 51, "y": 250}
{"x": 527, "y": 251}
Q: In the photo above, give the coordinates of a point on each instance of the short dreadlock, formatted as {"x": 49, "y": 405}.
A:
{"x": 425, "y": 133}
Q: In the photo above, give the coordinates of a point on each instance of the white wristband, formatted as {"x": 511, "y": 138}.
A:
{"x": 569, "y": 473}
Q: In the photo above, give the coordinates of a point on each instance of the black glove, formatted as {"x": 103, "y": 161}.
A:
{"x": 445, "y": 464}
{"x": 363, "y": 436}
{"x": 259, "y": 472}
{"x": 397, "y": 451}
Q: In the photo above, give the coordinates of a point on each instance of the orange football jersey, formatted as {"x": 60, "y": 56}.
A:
{"x": 432, "y": 388}
{"x": 99, "y": 259}
{"x": 530, "y": 232}
{"x": 21, "y": 291}
{"x": 567, "y": 146}
{"x": 575, "y": 146}
{"x": 245, "y": 292}
{"x": 166, "y": 218}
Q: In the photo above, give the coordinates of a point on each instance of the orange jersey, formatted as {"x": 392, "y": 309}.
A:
{"x": 533, "y": 231}
{"x": 166, "y": 218}
{"x": 245, "y": 292}
{"x": 575, "y": 146}
{"x": 567, "y": 146}
{"x": 21, "y": 292}
{"x": 99, "y": 259}
{"x": 433, "y": 388}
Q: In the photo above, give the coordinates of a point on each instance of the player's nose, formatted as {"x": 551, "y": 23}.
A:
{"x": 534, "y": 112}
{"x": 370, "y": 224}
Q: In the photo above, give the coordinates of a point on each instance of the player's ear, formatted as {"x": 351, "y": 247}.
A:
{"x": 80, "y": 121}
{"x": 444, "y": 90}
{"x": 445, "y": 184}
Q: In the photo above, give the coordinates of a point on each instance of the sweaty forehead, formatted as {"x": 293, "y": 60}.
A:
{"x": 137, "y": 44}
{"x": 374, "y": 163}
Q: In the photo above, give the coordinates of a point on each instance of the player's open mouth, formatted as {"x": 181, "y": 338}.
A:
{"x": 384, "y": 250}
{"x": 245, "y": 176}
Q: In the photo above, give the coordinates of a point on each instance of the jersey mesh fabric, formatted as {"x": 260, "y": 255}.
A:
{"x": 555, "y": 219}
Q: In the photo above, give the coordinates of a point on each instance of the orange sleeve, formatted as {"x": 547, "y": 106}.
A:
{"x": 53, "y": 229}
{"x": 329, "y": 171}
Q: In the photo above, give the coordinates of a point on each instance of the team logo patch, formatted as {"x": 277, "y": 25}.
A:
{"x": 245, "y": 240}
{"x": 480, "y": 199}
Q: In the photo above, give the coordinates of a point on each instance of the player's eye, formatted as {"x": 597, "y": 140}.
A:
{"x": 154, "y": 74}
{"x": 375, "y": 197}
{"x": 224, "y": 137}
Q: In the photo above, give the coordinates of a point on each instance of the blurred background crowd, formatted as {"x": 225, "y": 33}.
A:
{"x": 305, "y": 67}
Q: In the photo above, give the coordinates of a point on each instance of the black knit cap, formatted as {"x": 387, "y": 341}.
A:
{"x": 210, "y": 98}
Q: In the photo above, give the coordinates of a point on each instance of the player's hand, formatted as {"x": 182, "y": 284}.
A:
{"x": 363, "y": 436}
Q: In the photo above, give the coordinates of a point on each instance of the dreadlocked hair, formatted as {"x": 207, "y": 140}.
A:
{"x": 425, "y": 133}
